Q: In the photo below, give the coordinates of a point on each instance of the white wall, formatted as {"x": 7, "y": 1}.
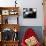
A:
{"x": 7, "y": 3}
{"x": 32, "y": 4}
{"x": 27, "y": 4}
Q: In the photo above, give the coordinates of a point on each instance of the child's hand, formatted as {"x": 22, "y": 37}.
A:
{"x": 31, "y": 41}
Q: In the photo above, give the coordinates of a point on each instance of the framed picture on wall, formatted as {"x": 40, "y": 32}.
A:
{"x": 5, "y": 12}
{"x": 29, "y": 12}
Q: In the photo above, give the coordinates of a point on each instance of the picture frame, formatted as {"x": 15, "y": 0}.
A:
{"x": 29, "y": 12}
{"x": 13, "y": 12}
{"x": 5, "y": 12}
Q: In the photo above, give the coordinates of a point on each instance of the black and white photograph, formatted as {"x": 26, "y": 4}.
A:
{"x": 29, "y": 12}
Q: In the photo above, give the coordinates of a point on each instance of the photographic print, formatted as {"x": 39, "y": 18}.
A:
{"x": 29, "y": 12}
{"x": 5, "y": 12}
